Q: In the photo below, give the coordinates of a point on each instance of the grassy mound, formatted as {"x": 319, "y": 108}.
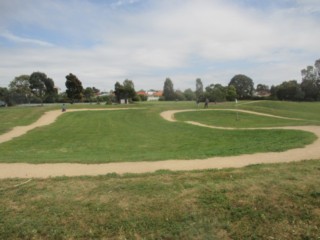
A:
{"x": 142, "y": 135}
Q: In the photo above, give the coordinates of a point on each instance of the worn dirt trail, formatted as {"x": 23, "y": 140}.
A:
{"x": 46, "y": 119}
{"x": 25, "y": 170}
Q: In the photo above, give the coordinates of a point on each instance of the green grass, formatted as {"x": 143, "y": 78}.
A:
{"x": 25, "y": 115}
{"x": 139, "y": 135}
{"x": 271, "y": 201}
{"x": 279, "y": 201}
{"x": 233, "y": 119}
{"x": 305, "y": 110}
{"x": 19, "y": 116}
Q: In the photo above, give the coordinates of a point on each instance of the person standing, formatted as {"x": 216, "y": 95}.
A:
{"x": 206, "y": 103}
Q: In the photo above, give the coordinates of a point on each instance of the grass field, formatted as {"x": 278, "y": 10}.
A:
{"x": 142, "y": 135}
{"x": 270, "y": 201}
{"x": 304, "y": 110}
{"x": 280, "y": 201}
{"x": 238, "y": 120}
{"x": 19, "y": 116}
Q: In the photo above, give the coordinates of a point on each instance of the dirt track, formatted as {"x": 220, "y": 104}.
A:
{"x": 24, "y": 170}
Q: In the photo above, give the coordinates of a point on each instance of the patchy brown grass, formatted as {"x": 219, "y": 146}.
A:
{"x": 279, "y": 201}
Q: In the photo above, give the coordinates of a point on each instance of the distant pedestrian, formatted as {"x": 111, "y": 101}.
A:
{"x": 63, "y": 107}
{"x": 206, "y": 103}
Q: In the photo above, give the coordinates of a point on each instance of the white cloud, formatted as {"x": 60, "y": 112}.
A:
{"x": 120, "y": 3}
{"x": 24, "y": 40}
{"x": 309, "y": 6}
{"x": 213, "y": 40}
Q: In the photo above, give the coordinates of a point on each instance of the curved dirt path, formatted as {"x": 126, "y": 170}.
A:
{"x": 25, "y": 170}
{"x": 169, "y": 115}
{"x": 46, "y": 119}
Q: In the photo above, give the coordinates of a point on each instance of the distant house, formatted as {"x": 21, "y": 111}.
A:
{"x": 154, "y": 95}
{"x": 102, "y": 94}
{"x": 142, "y": 93}
{"x": 158, "y": 93}
{"x": 262, "y": 93}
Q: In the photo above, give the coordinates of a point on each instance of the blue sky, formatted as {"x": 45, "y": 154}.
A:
{"x": 149, "y": 40}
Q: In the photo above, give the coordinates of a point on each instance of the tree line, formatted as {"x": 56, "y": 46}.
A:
{"x": 39, "y": 88}
{"x": 242, "y": 87}
{"x": 307, "y": 90}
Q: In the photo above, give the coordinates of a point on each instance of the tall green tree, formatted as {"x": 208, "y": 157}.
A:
{"x": 168, "y": 91}
{"x": 311, "y": 89}
{"x": 231, "y": 93}
{"x": 74, "y": 88}
{"x": 88, "y": 93}
{"x": 125, "y": 91}
{"x": 96, "y": 91}
{"x": 119, "y": 91}
{"x": 20, "y": 84}
{"x": 311, "y": 72}
{"x": 243, "y": 85}
{"x": 4, "y": 95}
{"x": 311, "y": 81}
{"x": 273, "y": 91}
{"x": 41, "y": 86}
{"x": 317, "y": 67}
{"x": 179, "y": 95}
{"x": 20, "y": 89}
{"x": 289, "y": 90}
{"x": 199, "y": 90}
{"x": 129, "y": 91}
{"x": 189, "y": 94}
{"x": 215, "y": 93}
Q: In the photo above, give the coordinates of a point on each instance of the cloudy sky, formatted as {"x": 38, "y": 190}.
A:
{"x": 104, "y": 41}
